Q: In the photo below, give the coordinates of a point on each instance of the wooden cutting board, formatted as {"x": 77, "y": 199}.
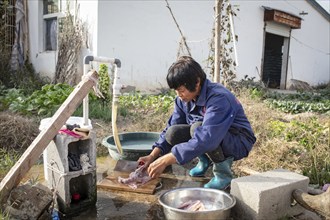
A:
{"x": 111, "y": 182}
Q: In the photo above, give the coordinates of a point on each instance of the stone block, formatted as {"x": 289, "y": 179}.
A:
{"x": 28, "y": 201}
{"x": 267, "y": 195}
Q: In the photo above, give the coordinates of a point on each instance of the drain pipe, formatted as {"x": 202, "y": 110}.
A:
{"x": 116, "y": 93}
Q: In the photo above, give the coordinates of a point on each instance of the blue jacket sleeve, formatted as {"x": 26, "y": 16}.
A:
{"x": 178, "y": 117}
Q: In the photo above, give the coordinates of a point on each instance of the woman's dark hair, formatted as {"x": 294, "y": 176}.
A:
{"x": 185, "y": 72}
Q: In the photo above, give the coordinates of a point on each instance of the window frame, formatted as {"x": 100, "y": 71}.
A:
{"x": 45, "y": 18}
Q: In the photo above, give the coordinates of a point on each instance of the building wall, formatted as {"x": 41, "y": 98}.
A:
{"x": 144, "y": 36}
{"x": 310, "y": 48}
{"x": 43, "y": 62}
{"x": 309, "y": 52}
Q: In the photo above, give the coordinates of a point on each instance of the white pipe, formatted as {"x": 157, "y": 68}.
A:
{"x": 116, "y": 93}
{"x": 87, "y": 60}
{"x": 116, "y": 85}
{"x": 112, "y": 61}
{"x": 85, "y": 100}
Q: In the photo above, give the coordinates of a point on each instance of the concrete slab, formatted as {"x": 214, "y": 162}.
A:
{"x": 267, "y": 195}
{"x": 28, "y": 201}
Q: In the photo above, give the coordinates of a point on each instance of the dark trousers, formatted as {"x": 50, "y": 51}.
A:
{"x": 237, "y": 143}
{"x": 180, "y": 133}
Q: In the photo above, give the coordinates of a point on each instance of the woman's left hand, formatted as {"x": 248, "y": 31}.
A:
{"x": 157, "y": 167}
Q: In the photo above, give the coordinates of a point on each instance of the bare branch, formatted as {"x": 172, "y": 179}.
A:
{"x": 183, "y": 39}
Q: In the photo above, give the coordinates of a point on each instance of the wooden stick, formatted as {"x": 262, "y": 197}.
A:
{"x": 32, "y": 153}
{"x": 247, "y": 170}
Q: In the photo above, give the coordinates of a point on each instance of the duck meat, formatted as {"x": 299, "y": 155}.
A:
{"x": 136, "y": 178}
{"x": 192, "y": 205}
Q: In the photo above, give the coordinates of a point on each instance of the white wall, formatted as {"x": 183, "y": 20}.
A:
{"x": 143, "y": 35}
{"x": 309, "y": 46}
{"x": 248, "y": 25}
{"x": 89, "y": 15}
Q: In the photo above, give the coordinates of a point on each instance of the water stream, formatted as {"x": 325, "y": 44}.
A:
{"x": 114, "y": 125}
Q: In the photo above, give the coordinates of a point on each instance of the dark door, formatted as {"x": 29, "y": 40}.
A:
{"x": 272, "y": 65}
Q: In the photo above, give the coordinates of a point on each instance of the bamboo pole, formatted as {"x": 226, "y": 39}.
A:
{"x": 217, "y": 40}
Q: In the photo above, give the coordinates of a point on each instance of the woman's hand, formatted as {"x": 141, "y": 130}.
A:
{"x": 146, "y": 160}
{"x": 157, "y": 167}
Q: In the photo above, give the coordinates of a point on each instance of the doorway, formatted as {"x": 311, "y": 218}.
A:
{"x": 275, "y": 60}
{"x": 273, "y": 57}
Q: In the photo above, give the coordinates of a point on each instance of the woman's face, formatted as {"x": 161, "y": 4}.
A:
{"x": 185, "y": 95}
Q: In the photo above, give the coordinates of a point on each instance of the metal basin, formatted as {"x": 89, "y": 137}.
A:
{"x": 217, "y": 203}
{"x": 134, "y": 144}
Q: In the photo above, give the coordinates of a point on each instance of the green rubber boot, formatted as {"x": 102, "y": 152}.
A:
{"x": 222, "y": 175}
{"x": 202, "y": 166}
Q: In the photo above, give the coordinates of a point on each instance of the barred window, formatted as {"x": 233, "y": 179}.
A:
{"x": 50, "y": 16}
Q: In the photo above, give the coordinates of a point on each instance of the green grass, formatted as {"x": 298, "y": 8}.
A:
{"x": 8, "y": 160}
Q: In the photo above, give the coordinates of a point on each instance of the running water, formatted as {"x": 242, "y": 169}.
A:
{"x": 116, "y": 93}
{"x": 114, "y": 126}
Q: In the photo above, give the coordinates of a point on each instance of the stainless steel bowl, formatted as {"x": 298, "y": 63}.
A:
{"x": 217, "y": 203}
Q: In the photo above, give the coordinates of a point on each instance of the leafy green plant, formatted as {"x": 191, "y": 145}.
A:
{"x": 297, "y": 106}
{"x": 10, "y": 96}
{"x": 156, "y": 103}
{"x": 256, "y": 93}
{"x": 42, "y": 102}
{"x": 256, "y": 90}
{"x": 104, "y": 82}
{"x": 316, "y": 101}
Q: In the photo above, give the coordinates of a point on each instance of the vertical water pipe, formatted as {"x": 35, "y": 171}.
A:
{"x": 116, "y": 93}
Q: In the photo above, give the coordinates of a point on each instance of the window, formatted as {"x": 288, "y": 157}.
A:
{"x": 50, "y": 16}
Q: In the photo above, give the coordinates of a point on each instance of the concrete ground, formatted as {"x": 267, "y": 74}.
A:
{"x": 113, "y": 204}
{"x": 122, "y": 205}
